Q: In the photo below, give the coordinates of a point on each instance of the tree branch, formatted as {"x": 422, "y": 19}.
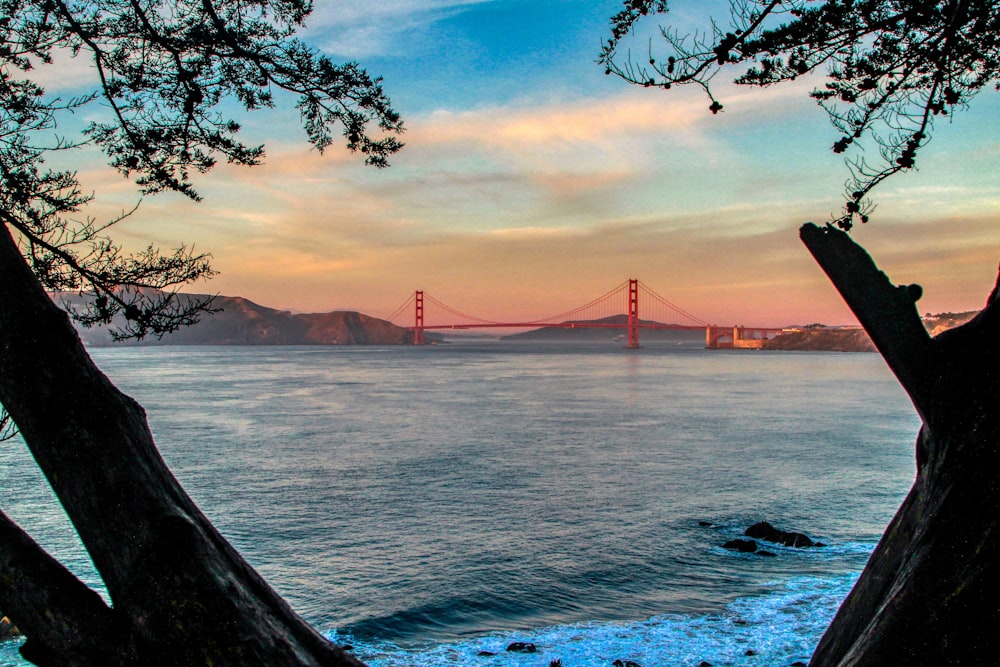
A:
{"x": 63, "y": 619}
{"x": 886, "y": 311}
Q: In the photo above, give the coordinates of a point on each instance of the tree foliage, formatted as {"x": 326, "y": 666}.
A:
{"x": 892, "y": 67}
{"x": 163, "y": 71}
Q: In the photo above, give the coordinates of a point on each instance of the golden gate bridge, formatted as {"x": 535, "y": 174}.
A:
{"x": 616, "y": 309}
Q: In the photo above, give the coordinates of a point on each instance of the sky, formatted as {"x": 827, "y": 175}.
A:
{"x": 532, "y": 183}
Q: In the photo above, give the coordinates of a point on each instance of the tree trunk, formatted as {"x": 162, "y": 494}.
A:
{"x": 180, "y": 594}
{"x": 929, "y": 593}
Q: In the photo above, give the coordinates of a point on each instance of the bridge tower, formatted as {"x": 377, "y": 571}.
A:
{"x": 633, "y": 314}
{"x": 418, "y": 318}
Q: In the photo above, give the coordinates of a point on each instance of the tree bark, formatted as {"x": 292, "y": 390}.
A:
{"x": 68, "y": 623}
{"x": 929, "y": 593}
{"x": 180, "y": 594}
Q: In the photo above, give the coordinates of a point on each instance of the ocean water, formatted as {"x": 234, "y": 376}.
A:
{"x": 429, "y": 506}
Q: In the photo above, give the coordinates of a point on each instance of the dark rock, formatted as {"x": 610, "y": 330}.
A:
{"x": 798, "y": 663}
{"x": 485, "y": 654}
{"x": 705, "y": 664}
{"x": 8, "y": 630}
{"x": 706, "y": 523}
{"x": 522, "y": 647}
{"x": 746, "y": 546}
{"x": 625, "y": 663}
{"x": 555, "y": 663}
{"x": 766, "y": 553}
{"x": 765, "y": 531}
{"x": 750, "y": 651}
{"x": 347, "y": 647}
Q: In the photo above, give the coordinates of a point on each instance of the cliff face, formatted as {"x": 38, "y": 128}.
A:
{"x": 243, "y": 322}
{"x": 827, "y": 340}
{"x": 352, "y": 328}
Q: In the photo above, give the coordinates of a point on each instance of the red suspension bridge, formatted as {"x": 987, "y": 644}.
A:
{"x": 616, "y": 309}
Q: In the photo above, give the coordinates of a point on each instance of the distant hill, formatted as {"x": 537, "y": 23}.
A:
{"x": 854, "y": 339}
{"x": 608, "y": 333}
{"x": 243, "y": 322}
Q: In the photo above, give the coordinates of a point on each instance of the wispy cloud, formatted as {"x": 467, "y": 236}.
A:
{"x": 66, "y": 72}
{"x": 362, "y": 28}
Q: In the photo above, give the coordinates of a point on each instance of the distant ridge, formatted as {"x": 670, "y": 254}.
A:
{"x": 243, "y": 322}
{"x": 813, "y": 337}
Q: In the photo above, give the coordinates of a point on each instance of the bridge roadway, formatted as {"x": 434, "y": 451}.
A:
{"x": 716, "y": 337}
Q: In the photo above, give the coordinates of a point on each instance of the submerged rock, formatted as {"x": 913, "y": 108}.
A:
{"x": 625, "y": 663}
{"x": 522, "y": 647}
{"x": 744, "y": 546}
{"x": 762, "y": 530}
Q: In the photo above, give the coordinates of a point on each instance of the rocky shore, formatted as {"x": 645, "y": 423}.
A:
{"x": 819, "y": 338}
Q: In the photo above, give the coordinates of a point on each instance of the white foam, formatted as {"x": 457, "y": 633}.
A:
{"x": 778, "y": 629}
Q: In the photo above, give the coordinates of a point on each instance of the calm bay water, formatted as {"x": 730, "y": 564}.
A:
{"x": 427, "y": 504}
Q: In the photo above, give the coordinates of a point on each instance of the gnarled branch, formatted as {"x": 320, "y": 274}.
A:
{"x": 886, "y": 311}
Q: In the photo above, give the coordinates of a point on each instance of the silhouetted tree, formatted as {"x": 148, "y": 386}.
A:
{"x": 928, "y": 595}
{"x": 166, "y": 76}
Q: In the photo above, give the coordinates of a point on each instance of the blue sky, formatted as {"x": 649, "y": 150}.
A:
{"x": 532, "y": 183}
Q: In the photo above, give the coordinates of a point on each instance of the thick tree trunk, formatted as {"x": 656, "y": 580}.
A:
{"x": 180, "y": 594}
{"x": 930, "y": 593}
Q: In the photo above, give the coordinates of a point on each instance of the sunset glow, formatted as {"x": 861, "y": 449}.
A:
{"x": 531, "y": 183}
